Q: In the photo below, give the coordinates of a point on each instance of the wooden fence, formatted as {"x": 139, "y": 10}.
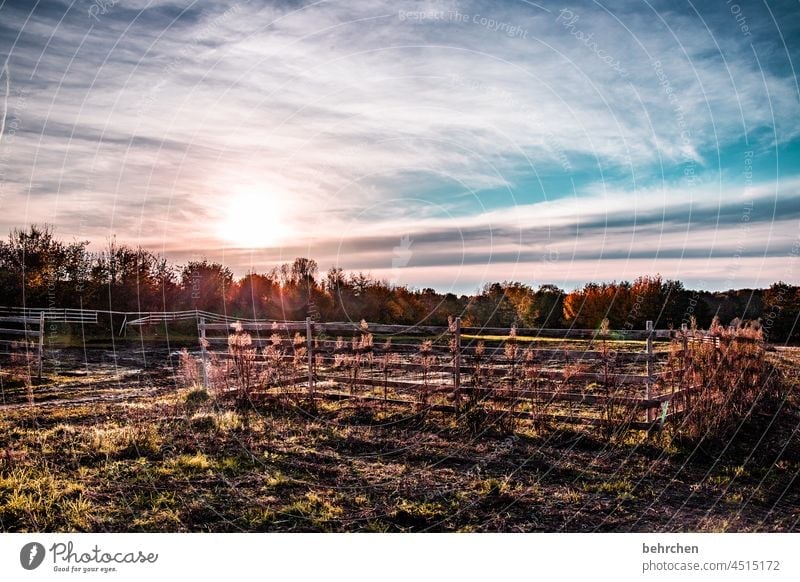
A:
{"x": 51, "y": 314}
{"x": 569, "y": 375}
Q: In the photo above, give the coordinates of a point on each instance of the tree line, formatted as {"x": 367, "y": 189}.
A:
{"x": 38, "y": 270}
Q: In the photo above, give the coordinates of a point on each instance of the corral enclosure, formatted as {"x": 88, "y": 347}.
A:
{"x": 622, "y": 379}
{"x": 630, "y": 379}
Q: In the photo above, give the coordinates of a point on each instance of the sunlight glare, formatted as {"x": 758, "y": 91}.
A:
{"x": 253, "y": 219}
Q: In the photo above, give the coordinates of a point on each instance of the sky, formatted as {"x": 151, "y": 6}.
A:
{"x": 441, "y": 144}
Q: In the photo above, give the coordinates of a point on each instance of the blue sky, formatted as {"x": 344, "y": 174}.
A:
{"x": 432, "y": 143}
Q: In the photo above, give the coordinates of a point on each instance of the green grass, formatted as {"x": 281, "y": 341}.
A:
{"x": 132, "y": 338}
{"x": 570, "y": 343}
{"x": 36, "y": 499}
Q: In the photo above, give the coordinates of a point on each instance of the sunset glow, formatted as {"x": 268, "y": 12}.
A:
{"x": 254, "y": 219}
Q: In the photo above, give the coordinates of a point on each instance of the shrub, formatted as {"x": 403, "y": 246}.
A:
{"x": 725, "y": 375}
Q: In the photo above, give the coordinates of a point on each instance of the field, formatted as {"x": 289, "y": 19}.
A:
{"x": 115, "y": 441}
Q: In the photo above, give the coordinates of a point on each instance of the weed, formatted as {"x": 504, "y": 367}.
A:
{"x": 493, "y": 487}
{"x": 34, "y": 499}
{"x": 129, "y": 442}
{"x": 532, "y": 383}
{"x": 203, "y": 422}
{"x": 512, "y": 352}
{"x": 188, "y": 368}
{"x": 426, "y": 360}
{"x": 228, "y": 421}
{"x": 313, "y": 509}
{"x": 386, "y": 363}
{"x": 243, "y": 362}
{"x": 191, "y": 464}
{"x": 78, "y": 513}
{"x": 197, "y": 396}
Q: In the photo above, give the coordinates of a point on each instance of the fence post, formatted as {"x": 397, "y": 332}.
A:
{"x": 310, "y": 351}
{"x": 685, "y": 388}
{"x": 203, "y": 352}
{"x": 41, "y": 341}
{"x": 457, "y": 361}
{"x": 650, "y": 362}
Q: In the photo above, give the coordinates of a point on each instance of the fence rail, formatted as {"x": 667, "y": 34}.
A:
{"x": 51, "y": 314}
{"x": 129, "y": 318}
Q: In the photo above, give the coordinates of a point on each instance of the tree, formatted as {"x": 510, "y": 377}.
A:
{"x": 304, "y": 272}
{"x": 253, "y": 296}
{"x": 781, "y": 312}
{"x": 37, "y": 269}
{"x": 491, "y": 308}
{"x": 629, "y": 305}
{"x": 549, "y": 307}
{"x": 299, "y": 290}
{"x": 204, "y": 285}
{"x": 339, "y": 293}
{"x": 523, "y": 299}
{"x": 131, "y": 279}
{"x": 439, "y": 308}
{"x": 589, "y": 306}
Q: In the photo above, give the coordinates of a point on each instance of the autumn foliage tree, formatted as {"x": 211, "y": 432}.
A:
{"x": 628, "y": 305}
{"x": 595, "y": 302}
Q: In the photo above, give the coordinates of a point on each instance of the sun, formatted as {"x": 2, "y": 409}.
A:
{"x": 254, "y": 218}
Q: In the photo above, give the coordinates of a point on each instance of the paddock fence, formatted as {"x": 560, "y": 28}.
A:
{"x": 23, "y": 329}
{"x": 578, "y": 376}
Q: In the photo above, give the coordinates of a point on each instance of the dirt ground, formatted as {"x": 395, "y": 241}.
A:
{"x": 110, "y": 441}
